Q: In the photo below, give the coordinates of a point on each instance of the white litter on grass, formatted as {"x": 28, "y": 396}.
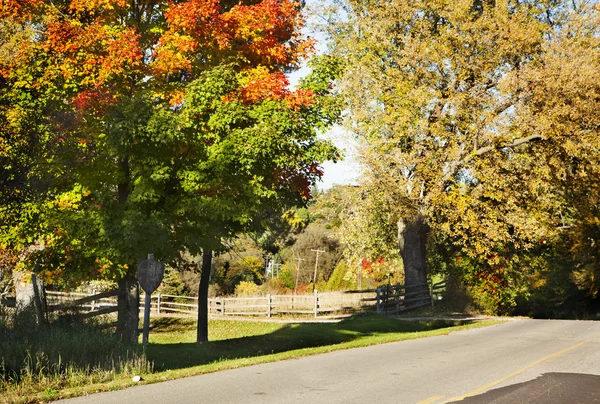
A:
{"x": 136, "y": 378}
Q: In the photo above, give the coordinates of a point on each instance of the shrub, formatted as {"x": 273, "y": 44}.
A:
{"x": 228, "y": 276}
{"x": 246, "y": 289}
{"x": 338, "y": 279}
{"x": 275, "y": 286}
{"x": 173, "y": 284}
{"x": 287, "y": 275}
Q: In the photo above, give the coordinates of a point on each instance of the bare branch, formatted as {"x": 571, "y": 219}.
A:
{"x": 487, "y": 149}
{"x": 457, "y": 164}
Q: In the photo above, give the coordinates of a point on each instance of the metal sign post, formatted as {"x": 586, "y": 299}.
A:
{"x": 150, "y": 274}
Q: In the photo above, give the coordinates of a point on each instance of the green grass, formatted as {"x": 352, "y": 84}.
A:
{"x": 235, "y": 344}
{"x": 172, "y": 343}
{"x": 167, "y": 330}
{"x": 40, "y": 361}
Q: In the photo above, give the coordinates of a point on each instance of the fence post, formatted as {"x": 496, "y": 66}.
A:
{"x": 386, "y": 297}
{"x": 431, "y": 290}
{"x": 378, "y": 307}
{"x": 222, "y": 306}
{"x": 158, "y": 303}
{"x": 316, "y": 303}
{"x": 269, "y": 305}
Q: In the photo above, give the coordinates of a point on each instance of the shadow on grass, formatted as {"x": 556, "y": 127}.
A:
{"x": 287, "y": 338}
{"x": 167, "y": 324}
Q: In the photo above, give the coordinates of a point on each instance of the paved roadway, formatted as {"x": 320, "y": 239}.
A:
{"x": 521, "y": 361}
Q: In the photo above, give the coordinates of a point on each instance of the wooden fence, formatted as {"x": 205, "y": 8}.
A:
{"x": 83, "y": 305}
{"x": 385, "y": 300}
{"x": 394, "y": 299}
{"x": 321, "y": 305}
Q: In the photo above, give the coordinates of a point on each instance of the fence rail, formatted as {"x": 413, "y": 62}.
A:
{"x": 316, "y": 304}
{"x": 395, "y": 299}
{"x": 386, "y": 300}
{"x": 82, "y": 305}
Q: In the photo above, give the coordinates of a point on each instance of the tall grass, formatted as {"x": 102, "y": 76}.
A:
{"x": 50, "y": 357}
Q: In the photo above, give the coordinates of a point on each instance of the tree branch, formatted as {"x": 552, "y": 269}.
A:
{"x": 487, "y": 149}
{"x": 481, "y": 151}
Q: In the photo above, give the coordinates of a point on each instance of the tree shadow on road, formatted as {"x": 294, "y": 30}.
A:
{"x": 549, "y": 388}
{"x": 287, "y": 338}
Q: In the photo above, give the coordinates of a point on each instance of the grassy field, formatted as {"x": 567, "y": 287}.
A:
{"x": 172, "y": 352}
{"x": 172, "y": 343}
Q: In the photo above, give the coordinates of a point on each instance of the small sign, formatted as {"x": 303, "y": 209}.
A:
{"x": 150, "y": 274}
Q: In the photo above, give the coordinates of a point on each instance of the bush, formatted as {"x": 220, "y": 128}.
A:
{"x": 275, "y": 286}
{"x": 244, "y": 289}
{"x": 173, "y": 283}
{"x": 287, "y": 275}
{"x": 338, "y": 279}
{"x": 96, "y": 286}
{"x": 228, "y": 276}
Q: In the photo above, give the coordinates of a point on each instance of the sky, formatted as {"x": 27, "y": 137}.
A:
{"x": 343, "y": 172}
{"x": 346, "y": 171}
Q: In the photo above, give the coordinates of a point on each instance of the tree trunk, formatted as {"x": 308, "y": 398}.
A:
{"x": 202, "y": 331}
{"x": 412, "y": 241}
{"x": 129, "y": 309}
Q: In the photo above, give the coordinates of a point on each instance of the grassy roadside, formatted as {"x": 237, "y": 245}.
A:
{"x": 237, "y": 344}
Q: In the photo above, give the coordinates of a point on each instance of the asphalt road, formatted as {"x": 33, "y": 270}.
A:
{"x": 522, "y": 361}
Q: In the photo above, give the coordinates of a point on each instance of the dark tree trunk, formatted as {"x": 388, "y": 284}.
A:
{"x": 129, "y": 296}
{"x": 129, "y": 309}
{"x": 412, "y": 241}
{"x": 202, "y": 332}
{"x": 124, "y": 187}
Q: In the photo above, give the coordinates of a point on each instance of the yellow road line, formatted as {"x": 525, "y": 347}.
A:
{"x": 518, "y": 372}
{"x": 431, "y": 400}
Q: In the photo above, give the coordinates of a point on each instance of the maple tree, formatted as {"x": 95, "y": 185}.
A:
{"x": 471, "y": 115}
{"x": 171, "y": 126}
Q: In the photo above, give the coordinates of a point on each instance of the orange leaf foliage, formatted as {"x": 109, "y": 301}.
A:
{"x": 266, "y": 33}
{"x": 300, "y": 98}
{"x": 94, "y": 53}
{"x": 18, "y": 10}
{"x": 80, "y": 6}
{"x": 259, "y": 84}
{"x": 263, "y": 32}
{"x": 95, "y": 43}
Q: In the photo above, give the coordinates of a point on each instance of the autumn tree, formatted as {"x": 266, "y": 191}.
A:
{"x": 562, "y": 89}
{"x": 171, "y": 126}
{"x": 469, "y": 113}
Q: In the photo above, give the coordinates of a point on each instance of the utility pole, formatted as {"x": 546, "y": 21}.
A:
{"x": 360, "y": 269}
{"x": 360, "y": 276}
{"x": 298, "y": 271}
{"x": 316, "y": 266}
{"x": 276, "y": 267}
{"x": 266, "y": 256}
